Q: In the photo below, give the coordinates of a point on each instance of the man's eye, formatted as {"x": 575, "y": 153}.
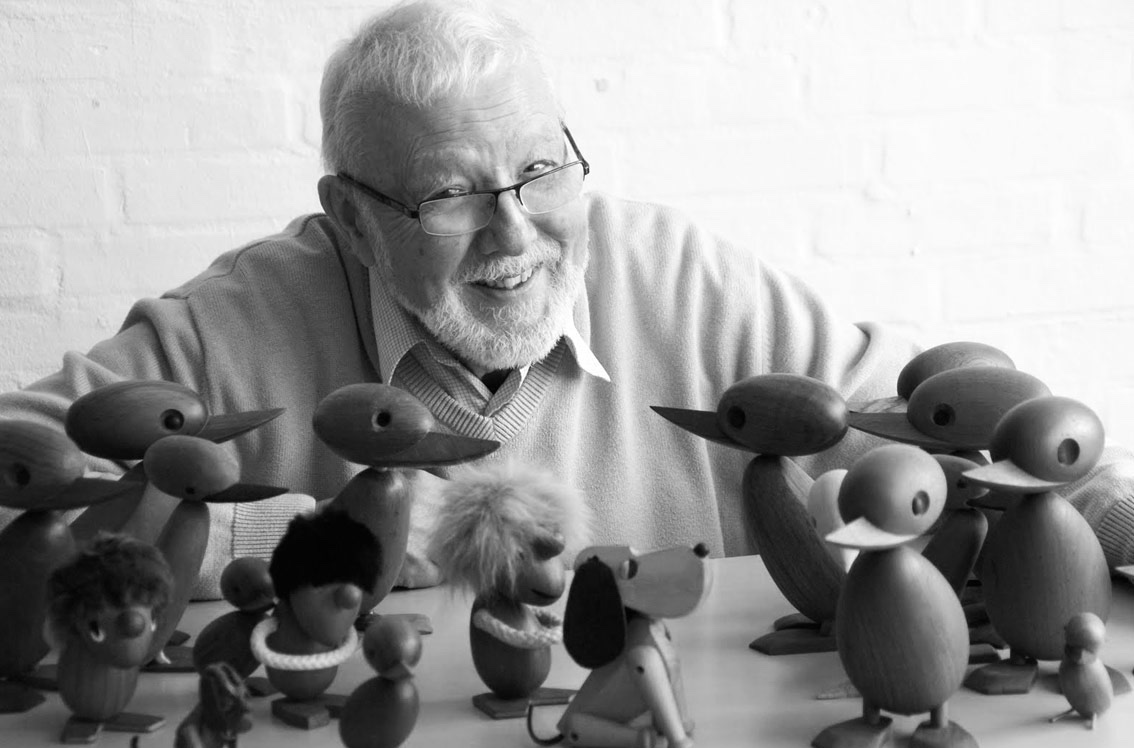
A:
{"x": 539, "y": 167}
{"x": 448, "y": 192}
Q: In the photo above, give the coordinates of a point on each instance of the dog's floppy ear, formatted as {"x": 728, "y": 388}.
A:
{"x": 594, "y": 623}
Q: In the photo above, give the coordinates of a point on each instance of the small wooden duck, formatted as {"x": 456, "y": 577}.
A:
{"x": 902, "y": 636}
{"x": 500, "y": 535}
{"x": 778, "y": 416}
{"x": 320, "y": 570}
{"x": 382, "y": 712}
{"x": 1083, "y": 678}
{"x": 40, "y": 473}
{"x": 104, "y": 606}
{"x": 1042, "y": 563}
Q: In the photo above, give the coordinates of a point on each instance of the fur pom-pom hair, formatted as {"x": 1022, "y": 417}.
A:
{"x": 326, "y": 546}
{"x": 491, "y": 517}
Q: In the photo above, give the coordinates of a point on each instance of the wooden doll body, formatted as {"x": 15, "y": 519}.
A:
{"x": 382, "y": 712}
{"x": 1083, "y": 678}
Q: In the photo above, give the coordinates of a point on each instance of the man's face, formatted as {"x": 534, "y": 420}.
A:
{"x": 501, "y": 296}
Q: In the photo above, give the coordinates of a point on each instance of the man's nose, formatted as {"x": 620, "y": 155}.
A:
{"x": 511, "y": 230}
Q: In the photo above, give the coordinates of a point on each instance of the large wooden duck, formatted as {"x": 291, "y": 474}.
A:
{"x": 104, "y": 606}
{"x": 382, "y": 712}
{"x": 500, "y": 535}
{"x": 902, "y": 635}
{"x": 778, "y": 416}
{"x": 41, "y": 473}
{"x": 1042, "y": 563}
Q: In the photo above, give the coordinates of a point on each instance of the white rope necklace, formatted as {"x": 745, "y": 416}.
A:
{"x": 280, "y": 661}
{"x": 549, "y": 632}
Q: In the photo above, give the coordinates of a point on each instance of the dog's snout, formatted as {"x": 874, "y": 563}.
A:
{"x": 701, "y": 550}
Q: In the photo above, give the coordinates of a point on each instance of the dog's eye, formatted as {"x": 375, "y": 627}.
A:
{"x": 96, "y": 633}
{"x": 631, "y": 568}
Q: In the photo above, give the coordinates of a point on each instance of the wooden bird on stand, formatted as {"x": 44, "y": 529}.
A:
{"x": 500, "y": 534}
{"x": 902, "y": 636}
{"x": 1083, "y": 678}
{"x": 778, "y": 416}
{"x": 382, "y": 712}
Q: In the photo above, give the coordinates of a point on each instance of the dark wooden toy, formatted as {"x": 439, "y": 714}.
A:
{"x": 778, "y": 416}
{"x": 221, "y": 712}
{"x": 902, "y": 636}
{"x": 500, "y": 535}
{"x": 1042, "y": 563}
{"x": 956, "y": 354}
{"x": 614, "y": 626}
{"x": 1083, "y": 678}
{"x": 247, "y": 585}
{"x": 40, "y": 473}
{"x": 382, "y": 712}
{"x": 958, "y": 538}
{"x": 390, "y": 431}
{"x": 320, "y": 570}
{"x": 103, "y": 608}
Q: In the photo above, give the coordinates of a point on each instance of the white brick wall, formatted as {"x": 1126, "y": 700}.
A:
{"x": 960, "y": 168}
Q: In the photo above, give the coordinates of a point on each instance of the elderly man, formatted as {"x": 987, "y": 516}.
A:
{"x": 460, "y": 259}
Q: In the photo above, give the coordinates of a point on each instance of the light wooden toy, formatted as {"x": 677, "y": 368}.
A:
{"x": 1083, "y": 678}
{"x": 382, "y": 712}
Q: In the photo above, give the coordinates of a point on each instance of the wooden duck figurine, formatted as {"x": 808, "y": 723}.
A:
{"x": 499, "y": 535}
{"x": 104, "y": 606}
{"x": 1084, "y": 680}
{"x": 40, "y": 473}
{"x": 1042, "y": 563}
{"x": 902, "y": 636}
{"x": 320, "y": 570}
{"x": 382, "y": 712}
{"x": 778, "y": 416}
{"x": 389, "y": 431}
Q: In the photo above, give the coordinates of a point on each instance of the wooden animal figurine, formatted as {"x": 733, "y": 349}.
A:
{"x": 778, "y": 416}
{"x": 390, "y": 431}
{"x": 103, "y": 608}
{"x": 1042, "y": 563}
{"x": 959, "y": 536}
{"x": 221, "y": 711}
{"x": 320, "y": 570}
{"x": 40, "y": 473}
{"x": 614, "y": 626}
{"x": 823, "y": 506}
{"x": 902, "y": 636}
{"x": 382, "y": 712}
{"x": 500, "y": 535}
{"x": 1083, "y": 678}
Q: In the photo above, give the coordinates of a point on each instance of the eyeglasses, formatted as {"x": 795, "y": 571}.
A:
{"x": 463, "y": 214}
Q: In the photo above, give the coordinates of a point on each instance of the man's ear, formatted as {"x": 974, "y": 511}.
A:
{"x": 344, "y": 213}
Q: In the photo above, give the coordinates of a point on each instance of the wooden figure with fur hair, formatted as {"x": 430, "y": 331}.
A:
{"x": 221, "y": 711}
{"x": 500, "y": 535}
{"x": 1083, "y": 678}
{"x": 320, "y": 570}
{"x": 902, "y": 636}
{"x": 614, "y": 625}
{"x": 247, "y": 585}
{"x": 382, "y": 712}
{"x": 103, "y": 608}
{"x": 779, "y": 416}
{"x": 41, "y": 474}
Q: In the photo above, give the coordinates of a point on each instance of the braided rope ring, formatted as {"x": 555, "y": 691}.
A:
{"x": 550, "y": 631}
{"x": 280, "y": 661}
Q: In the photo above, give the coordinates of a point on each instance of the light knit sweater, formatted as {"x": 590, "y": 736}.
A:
{"x": 673, "y": 313}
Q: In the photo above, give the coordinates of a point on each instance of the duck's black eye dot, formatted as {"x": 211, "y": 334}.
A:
{"x": 962, "y": 483}
{"x": 943, "y": 415}
{"x": 1068, "y": 452}
{"x": 736, "y": 417}
{"x": 172, "y": 420}
{"x": 920, "y": 503}
{"x": 382, "y": 419}
{"x": 18, "y": 475}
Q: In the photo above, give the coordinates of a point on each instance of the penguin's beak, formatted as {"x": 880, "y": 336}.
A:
{"x": 702, "y": 423}
{"x": 863, "y": 535}
{"x": 221, "y": 428}
{"x": 240, "y": 493}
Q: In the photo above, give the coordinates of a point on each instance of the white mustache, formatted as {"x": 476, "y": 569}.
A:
{"x": 508, "y": 267}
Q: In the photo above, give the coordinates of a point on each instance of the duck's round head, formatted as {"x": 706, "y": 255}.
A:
{"x": 889, "y": 496}
{"x": 1085, "y": 632}
{"x": 392, "y": 646}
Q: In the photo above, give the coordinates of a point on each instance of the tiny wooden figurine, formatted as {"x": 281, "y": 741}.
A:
{"x": 614, "y": 626}
{"x": 320, "y": 570}
{"x": 1083, "y": 678}
{"x": 382, "y": 712}
{"x": 1042, "y": 563}
{"x": 500, "y": 535}
{"x": 103, "y": 608}
{"x": 221, "y": 712}
{"x": 902, "y": 636}
{"x": 778, "y": 416}
{"x": 390, "y": 431}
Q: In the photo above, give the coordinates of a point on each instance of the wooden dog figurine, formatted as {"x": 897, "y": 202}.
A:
{"x": 613, "y": 625}
{"x": 220, "y": 715}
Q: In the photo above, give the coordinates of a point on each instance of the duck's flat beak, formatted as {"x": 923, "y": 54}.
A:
{"x": 895, "y": 426}
{"x": 1007, "y": 475}
{"x": 221, "y": 428}
{"x": 80, "y": 493}
{"x": 241, "y": 493}
{"x": 436, "y": 450}
{"x": 702, "y": 423}
{"x": 863, "y": 535}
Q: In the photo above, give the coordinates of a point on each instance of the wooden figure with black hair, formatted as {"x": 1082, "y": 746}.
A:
{"x": 103, "y": 608}
{"x": 500, "y": 533}
{"x": 614, "y": 626}
{"x": 320, "y": 570}
{"x": 382, "y": 711}
{"x": 221, "y": 713}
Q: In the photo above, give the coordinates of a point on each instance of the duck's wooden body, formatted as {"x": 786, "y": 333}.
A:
{"x": 511, "y": 671}
{"x": 382, "y": 712}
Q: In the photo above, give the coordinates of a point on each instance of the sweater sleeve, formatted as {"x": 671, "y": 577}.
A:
{"x": 1105, "y": 497}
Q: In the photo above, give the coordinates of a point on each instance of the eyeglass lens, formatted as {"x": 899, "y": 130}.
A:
{"x": 451, "y": 216}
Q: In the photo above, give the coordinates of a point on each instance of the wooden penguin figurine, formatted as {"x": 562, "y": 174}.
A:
{"x": 1084, "y": 680}
{"x": 902, "y": 636}
{"x": 40, "y": 473}
{"x": 1042, "y": 563}
{"x": 389, "y": 431}
{"x": 320, "y": 570}
{"x": 778, "y": 416}
{"x": 104, "y": 606}
{"x": 382, "y": 712}
{"x": 500, "y": 534}
{"x": 960, "y": 535}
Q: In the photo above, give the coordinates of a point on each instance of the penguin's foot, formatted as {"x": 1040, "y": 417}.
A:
{"x": 794, "y": 641}
{"x": 856, "y": 733}
{"x": 1005, "y": 677}
{"x": 951, "y": 735}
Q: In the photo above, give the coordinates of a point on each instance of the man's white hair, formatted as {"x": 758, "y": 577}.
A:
{"x": 413, "y": 54}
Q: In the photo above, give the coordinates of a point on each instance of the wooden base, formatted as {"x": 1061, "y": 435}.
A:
{"x": 43, "y": 678}
{"x": 1005, "y": 677}
{"x": 499, "y": 708}
{"x": 856, "y": 733}
{"x": 260, "y": 686}
{"x": 794, "y": 641}
{"x": 419, "y": 621}
{"x": 85, "y": 731}
{"x": 843, "y": 690}
{"x": 950, "y": 736}
{"x": 179, "y": 659}
{"x": 309, "y": 714}
{"x": 983, "y": 654}
{"x": 16, "y": 698}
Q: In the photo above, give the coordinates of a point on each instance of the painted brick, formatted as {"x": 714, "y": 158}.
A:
{"x": 1023, "y": 17}
{"x": 1108, "y": 215}
{"x": 15, "y": 123}
{"x": 53, "y": 195}
{"x": 1095, "y": 66}
{"x": 27, "y": 269}
{"x": 1106, "y": 14}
